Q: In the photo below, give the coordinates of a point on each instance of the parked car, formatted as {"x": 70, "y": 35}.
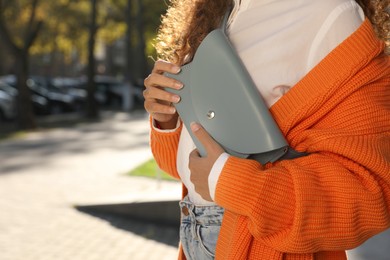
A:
{"x": 57, "y": 102}
{"x": 70, "y": 86}
{"x": 111, "y": 92}
{"x": 40, "y": 104}
{"x": 7, "y": 106}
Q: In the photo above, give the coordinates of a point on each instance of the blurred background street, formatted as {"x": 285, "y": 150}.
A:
{"x": 45, "y": 174}
{"x": 71, "y": 128}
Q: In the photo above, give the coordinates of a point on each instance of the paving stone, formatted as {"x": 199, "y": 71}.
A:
{"x": 45, "y": 174}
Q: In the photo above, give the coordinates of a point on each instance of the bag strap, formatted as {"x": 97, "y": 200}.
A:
{"x": 223, "y": 25}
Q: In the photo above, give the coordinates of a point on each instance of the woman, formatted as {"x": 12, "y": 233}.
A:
{"x": 321, "y": 69}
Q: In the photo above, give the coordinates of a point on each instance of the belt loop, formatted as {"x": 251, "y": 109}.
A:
{"x": 191, "y": 211}
{"x": 188, "y": 210}
{"x": 185, "y": 210}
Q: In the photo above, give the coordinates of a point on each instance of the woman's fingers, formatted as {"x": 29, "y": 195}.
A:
{"x": 160, "y": 94}
{"x": 158, "y": 101}
{"x": 162, "y": 66}
{"x": 160, "y": 109}
{"x": 161, "y": 81}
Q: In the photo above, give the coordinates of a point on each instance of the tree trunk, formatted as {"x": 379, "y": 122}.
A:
{"x": 26, "y": 119}
{"x": 142, "y": 63}
{"x": 130, "y": 68}
{"x": 2, "y": 58}
{"x": 92, "y": 105}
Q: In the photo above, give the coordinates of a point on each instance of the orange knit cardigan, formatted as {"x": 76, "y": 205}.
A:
{"x": 318, "y": 206}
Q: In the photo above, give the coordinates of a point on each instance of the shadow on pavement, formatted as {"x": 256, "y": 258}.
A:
{"x": 167, "y": 234}
{"x": 159, "y": 212}
{"x": 157, "y": 220}
{"x": 74, "y": 136}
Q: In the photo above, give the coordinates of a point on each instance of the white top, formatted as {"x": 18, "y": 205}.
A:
{"x": 279, "y": 41}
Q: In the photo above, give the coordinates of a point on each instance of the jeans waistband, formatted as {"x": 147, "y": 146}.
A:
{"x": 204, "y": 215}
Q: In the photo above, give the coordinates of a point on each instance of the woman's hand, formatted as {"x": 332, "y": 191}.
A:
{"x": 158, "y": 102}
{"x": 200, "y": 167}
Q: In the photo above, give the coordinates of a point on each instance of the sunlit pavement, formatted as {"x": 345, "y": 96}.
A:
{"x": 44, "y": 174}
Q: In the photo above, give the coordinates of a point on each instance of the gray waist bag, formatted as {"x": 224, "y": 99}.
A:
{"x": 219, "y": 94}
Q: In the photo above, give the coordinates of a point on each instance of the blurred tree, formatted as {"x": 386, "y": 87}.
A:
{"x": 151, "y": 17}
{"x": 130, "y": 66}
{"x": 66, "y": 36}
{"x": 141, "y": 19}
{"x": 24, "y": 21}
{"x": 2, "y": 58}
{"x": 147, "y": 20}
{"x": 142, "y": 63}
{"x": 92, "y": 106}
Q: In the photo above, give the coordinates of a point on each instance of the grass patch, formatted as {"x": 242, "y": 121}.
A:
{"x": 12, "y": 135}
{"x": 150, "y": 169}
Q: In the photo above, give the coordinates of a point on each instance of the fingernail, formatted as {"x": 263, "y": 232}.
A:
{"x": 179, "y": 85}
{"x": 195, "y": 127}
{"x": 177, "y": 69}
{"x": 176, "y": 99}
{"x": 172, "y": 110}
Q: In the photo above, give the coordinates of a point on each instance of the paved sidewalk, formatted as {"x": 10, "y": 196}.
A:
{"x": 43, "y": 175}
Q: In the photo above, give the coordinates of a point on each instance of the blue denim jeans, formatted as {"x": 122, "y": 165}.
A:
{"x": 199, "y": 230}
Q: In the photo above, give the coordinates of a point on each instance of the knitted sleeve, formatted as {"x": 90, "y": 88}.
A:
{"x": 336, "y": 197}
{"x": 164, "y": 147}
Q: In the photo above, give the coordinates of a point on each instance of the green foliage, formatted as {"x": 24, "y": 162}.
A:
{"x": 152, "y": 22}
{"x": 65, "y": 23}
{"x": 150, "y": 169}
{"x": 12, "y": 135}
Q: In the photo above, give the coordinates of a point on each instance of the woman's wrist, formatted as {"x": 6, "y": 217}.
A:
{"x": 169, "y": 125}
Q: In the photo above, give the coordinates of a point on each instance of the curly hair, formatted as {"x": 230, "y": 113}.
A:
{"x": 187, "y": 22}
{"x": 185, "y": 25}
{"x": 378, "y": 12}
